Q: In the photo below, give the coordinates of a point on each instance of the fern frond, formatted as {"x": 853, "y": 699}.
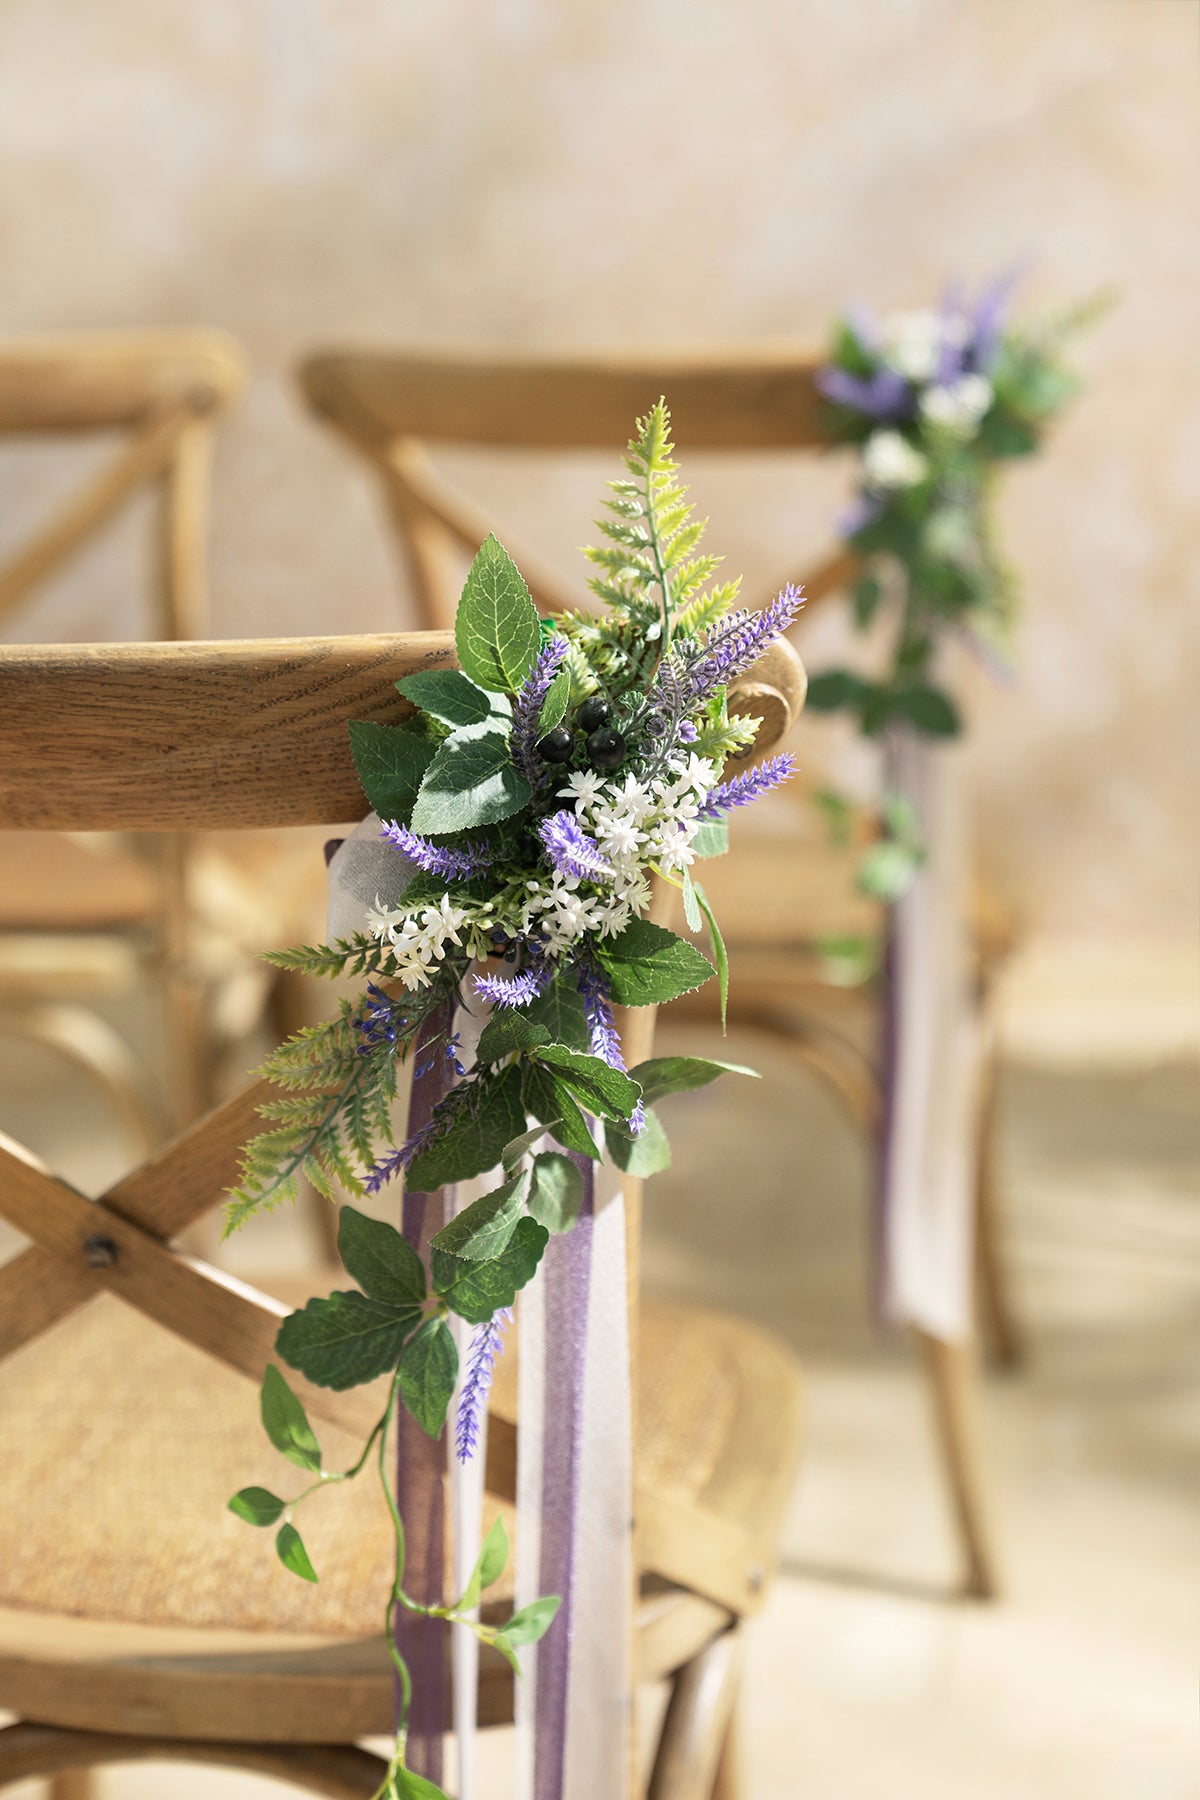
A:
{"x": 356, "y": 955}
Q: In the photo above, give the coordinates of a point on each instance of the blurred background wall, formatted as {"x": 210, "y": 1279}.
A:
{"x": 529, "y": 172}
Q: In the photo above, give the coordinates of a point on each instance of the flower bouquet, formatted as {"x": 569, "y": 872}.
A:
{"x": 524, "y": 811}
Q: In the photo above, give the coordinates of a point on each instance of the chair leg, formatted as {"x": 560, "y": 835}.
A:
{"x": 728, "y": 1783}
{"x": 696, "y": 1727}
{"x": 72, "y": 1784}
{"x": 998, "y": 1326}
{"x": 954, "y": 1392}
{"x": 89, "y": 1042}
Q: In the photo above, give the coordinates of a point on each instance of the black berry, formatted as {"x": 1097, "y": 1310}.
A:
{"x": 593, "y": 714}
{"x": 557, "y": 746}
{"x": 606, "y": 749}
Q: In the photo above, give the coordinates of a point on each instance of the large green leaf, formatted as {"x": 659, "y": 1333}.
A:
{"x": 470, "y": 782}
{"x": 533, "y": 1621}
{"x": 550, "y": 1100}
{"x": 496, "y": 628}
{"x": 520, "y": 1146}
{"x": 678, "y": 1074}
{"x": 485, "y": 1117}
{"x": 448, "y": 695}
{"x": 257, "y": 1505}
{"x": 482, "y": 1230}
{"x": 391, "y": 761}
{"x": 507, "y": 1031}
{"x": 345, "y": 1338}
{"x": 404, "y": 1784}
{"x": 428, "y": 1372}
{"x": 560, "y": 1009}
{"x": 646, "y": 1154}
{"x": 286, "y": 1422}
{"x": 833, "y": 689}
{"x": 377, "y": 1257}
{"x": 475, "y": 1290}
{"x": 598, "y": 1087}
{"x": 647, "y": 965}
{"x": 929, "y": 709}
{"x": 555, "y": 1192}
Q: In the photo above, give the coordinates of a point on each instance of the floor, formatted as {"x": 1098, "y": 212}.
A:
{"x": 867, "y": 1674}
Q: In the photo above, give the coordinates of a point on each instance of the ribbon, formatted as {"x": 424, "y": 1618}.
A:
{"x": 931, "y": 1061}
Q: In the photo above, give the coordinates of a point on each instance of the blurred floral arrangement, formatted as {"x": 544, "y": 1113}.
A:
{"x": 529, "y": 800}
{"x": 936, "y": 401}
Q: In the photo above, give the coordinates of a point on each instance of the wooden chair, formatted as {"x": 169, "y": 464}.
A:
{"x": 783, "y": 893}
{"x": 79, "y": 921}
{"x": 137, "y": 1617}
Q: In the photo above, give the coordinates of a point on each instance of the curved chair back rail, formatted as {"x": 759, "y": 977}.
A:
{"x": 95, "y": 381}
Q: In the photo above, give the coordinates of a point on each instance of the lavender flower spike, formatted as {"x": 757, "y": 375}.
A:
{"x": 514, "y": 990}
{"x": 571, "y": 849}
{"x": 737, "y": 643}
{"x": 750, "y": 786}
{"x": 527, "y": 709}
{"x": 470, "y": 858}
{"x": 481, "y": 1364}
{"x": 605, "y": 1040}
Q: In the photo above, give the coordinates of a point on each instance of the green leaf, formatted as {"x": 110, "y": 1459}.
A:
{"x": 679, "y": 1074}
{"x": 560, "y": 1009}
{"x": 448, "y": 695}
{"x": 257, "y": 1505}
{"x": 834, "y": 689}
{"x": 646, "y": 1154}
{"x": 489, "y": 1567}
{"x": 556, "y": 1191}
{"x": 720, "y": 954}
{"x": 597, "y": 1086}
{"x": 286, "y": 1422}
{"x": 533, "y": 1621}
{"x": 496, "y": 629}
{"x": 470, "y": 782}
{"x": 428, "y": 1372}
{"x": 345, "y": 1338}
{"x": 391, "y": 763}
{"x": 475, "y": 1290}
{"x": 550, "y": 1100}
{"x": 554, "y": 706}
{"x": 486, "y": 1115}
{"x": 507, "y": 1031}
{"x": 711, "y": 840}
{"x": 508, "y": 1652}
{"x": 647, "y": 964}
{"x": 932, "y": 712}
{"x": 289, "y": 1546}
{"x": 868, "y": 592}
{"x": 404, "y": 1784}
{"x": 482, "y": 1230}
{"x": 512, "y": 1153}
{"x": 691, "y": 906}
{"x": 887, "y": 869}
{"x": 378, "y": 1258}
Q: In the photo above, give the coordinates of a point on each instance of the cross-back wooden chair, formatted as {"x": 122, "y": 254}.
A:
{"x": 137, "y": 1617}
{"x": 77, "y": 922}
{"x": 785, "y": 893}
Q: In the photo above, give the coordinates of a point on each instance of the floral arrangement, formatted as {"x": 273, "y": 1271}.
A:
{"x": 936, "y": 401}
{"x": 530, "y": 800}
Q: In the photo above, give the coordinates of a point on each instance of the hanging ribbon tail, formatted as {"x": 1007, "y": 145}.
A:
{"x": 932, "y": 1045}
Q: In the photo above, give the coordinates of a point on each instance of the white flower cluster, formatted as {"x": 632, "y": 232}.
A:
{"x": 419, "y": 940}
{"x": 891, "y": 462}
{"x": 633, "y": 826}
{"x": 959, "y": 406}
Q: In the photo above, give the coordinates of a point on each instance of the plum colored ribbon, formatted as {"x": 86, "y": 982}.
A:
{"x": 931, "y": 1061}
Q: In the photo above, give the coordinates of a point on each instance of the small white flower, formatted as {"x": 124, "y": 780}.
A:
{"x": 912, "y": 341}
{"x": 584, "y": 787}
{"x": 960, "y": 406}
{"x": 618, "y": 837}
{"x": 381, "y": 920}
{"x": 632, "y": 800}
{"x": 890, "y": 461}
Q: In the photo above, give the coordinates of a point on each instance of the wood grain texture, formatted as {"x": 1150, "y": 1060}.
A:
{"x": 89, "y": 381}
{"x": 189, "y": 737}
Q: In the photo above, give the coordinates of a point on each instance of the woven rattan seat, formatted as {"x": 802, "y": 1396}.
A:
{"x": 123, "y": 1444}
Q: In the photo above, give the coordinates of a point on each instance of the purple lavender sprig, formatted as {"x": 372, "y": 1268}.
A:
{"x": 604, "y": 1038}
{"x": 515, "y": 990}
{"x": 570, "y": 848}
{"x": 527, "y": 709}
{"x": 459, "y": 863}
{"x": 748, "y": 787}
{"x": 736, "y": 644}
{"x": 390, "y": 1166}
{"x": 486, "y": 1346}
{"x": 883, "y": 395}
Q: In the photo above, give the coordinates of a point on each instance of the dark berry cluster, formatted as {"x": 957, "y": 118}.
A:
{"x": 603, "y": 746}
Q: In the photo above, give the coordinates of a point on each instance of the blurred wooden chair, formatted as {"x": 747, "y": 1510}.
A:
{"x": 785, "y": 891}
{"x": 79, "y": 920}
{"x": 138, "y": 1618}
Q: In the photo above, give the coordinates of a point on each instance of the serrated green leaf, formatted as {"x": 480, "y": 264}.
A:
{"x": 720, "y": 954}
{"x": 486, "y": 1116}
{"x": 711, "y": 840}
{"x": 646, "y": 1154}
{"x": 512, "y": 1153}
{"x": 257, "y": 1505}
{"x": 289, "y": 1547}
{"x": 507, "y": 1031}
{"x": 481, "y": 1230}
{"x": 496, "y": 628}
{"x": 391, "y": 763}
{"x": 449, "y": 695}
{"x": 533, "y": 1621}
{"x": 550, "y": 1100}
{"x": 470, "y": 782}
{"x": 475, "y": 1290}
{"x": 377, "y": 1257}
{"x": 488, "y": 1568}
{"x": 555, "y": 1191}
{"x": 344, "y": 1339}
{"x": 560, "y": 1009}
{"x": 428, "y": 1372}
{"x": 286, "y": 1422}
{"x": 597, "y": 1086}
{"x": 554, "y": 706}
{"x": 648, "y": 965}
{"x": 679, "y": 1074}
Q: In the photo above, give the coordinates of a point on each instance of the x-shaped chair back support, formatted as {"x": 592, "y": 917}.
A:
{"x": 388, "y": 406}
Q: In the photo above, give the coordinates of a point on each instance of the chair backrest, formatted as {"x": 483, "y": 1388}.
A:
{"x": 179, "y": 737}
{"x": 389, "y": 406}
{"x": 166, "y": 390}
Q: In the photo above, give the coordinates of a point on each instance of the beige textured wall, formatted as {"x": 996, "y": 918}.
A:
{"x": 544, "y": 172}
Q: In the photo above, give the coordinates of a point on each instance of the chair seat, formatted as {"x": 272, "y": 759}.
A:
{"x": 52, "y": 882}
{"x": 131, "y": 1599}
